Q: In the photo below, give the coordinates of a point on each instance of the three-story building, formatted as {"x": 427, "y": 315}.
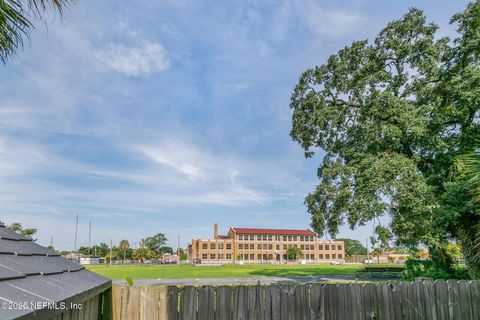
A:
{"x": 253, "y": 245}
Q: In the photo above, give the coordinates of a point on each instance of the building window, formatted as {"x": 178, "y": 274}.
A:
{"x": 269, "y": 237}
{"x": 327, "y": 247}
{"x": 252, "y": 256}
{"x": 259, "y": 257}
{"x": 327, "y": 256}
{"x": 284, "y": 238}
{"x": 229, "y": 246}
{"x": 220, "y": 256}
{"x": 245, "y": 256}
{"x": 302, "y": 238}
{"x": 264, "y": 237}
{"x": 284, "y": 247}
{"x": 212, "y": 246}
{"x": 212, "y": 255}
{"x": 204, "y": 246}
{"x": 277, "y": 247}
{"x": 340, "y": 256}
{"x": 294, "y": 238}
{"x": 240, "y": 246}
{"x": 252, "y": 237}
{"x": 240, "y": 237}
{"x": 270, "y": 246}
{"x": 204, "y": 256}
{"x": 252, "y": 246}
{"x": 289, "y": 238}
{"x": 320, "y": 256}
{"x": 320, "y": 247}
{"x": 259, "y": 246}
{"x": 220, "y": 246}
{"x": 229, "y": 256}
{"x": 339, "y": 247}
{"x": 285, "y": 257}
{"x": 302, "y": 247}
{"x": 333, "y": 256}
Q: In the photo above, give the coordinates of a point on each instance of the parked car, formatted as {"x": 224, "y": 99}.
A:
{"x": 337, "y": 262}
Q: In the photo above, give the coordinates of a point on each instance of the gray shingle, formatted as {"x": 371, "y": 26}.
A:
{"x": 6, "y": 273}
{"x": 24, "y": 247}
{"x": 8, "y": 234}
{"x": 31, "y": 273}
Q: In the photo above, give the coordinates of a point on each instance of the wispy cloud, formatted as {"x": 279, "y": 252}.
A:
{"x": 328, "y": 22}
{"x": 134, "y": 61}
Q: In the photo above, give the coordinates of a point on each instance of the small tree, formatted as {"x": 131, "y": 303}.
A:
{"x": 156, "y": 242}
{"x": 294, "y": 253}
{"x": 17, "y": 227}
{"x": 353, "y": 247}
{"x": 142, "y": 254}
{"x": 377, "y": 252}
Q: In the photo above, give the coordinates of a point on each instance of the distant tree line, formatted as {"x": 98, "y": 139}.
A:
{"x": 153, "y": 247}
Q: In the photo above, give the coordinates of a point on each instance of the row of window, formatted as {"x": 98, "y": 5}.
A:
{"x": 214, "y": 256}
{"x": 269, "y": 237}
{"x": 264, "y": 246}
{"x": 220, "y": 246}
{"x": 251, "y": 256}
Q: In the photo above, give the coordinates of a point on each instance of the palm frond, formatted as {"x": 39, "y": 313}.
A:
{"x": 471, "y": 170}
{"x": 15, "y": 21}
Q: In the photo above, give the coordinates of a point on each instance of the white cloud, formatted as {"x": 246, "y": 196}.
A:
{"x": 134, "y": 61}
{"x": 328, "y": 22}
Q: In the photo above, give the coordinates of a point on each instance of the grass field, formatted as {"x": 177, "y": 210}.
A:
{"x": 226, "y": 271}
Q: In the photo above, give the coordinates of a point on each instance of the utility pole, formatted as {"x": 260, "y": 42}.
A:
{"x": 178, "y": 249}
{"x": 111, "y": 245}
{"x": 368, "y": 257}
{"x": 90, "y": 237}
{"x": 76, "y": 230}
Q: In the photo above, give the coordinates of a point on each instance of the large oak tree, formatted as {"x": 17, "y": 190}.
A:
{"x": 392, "y": 117}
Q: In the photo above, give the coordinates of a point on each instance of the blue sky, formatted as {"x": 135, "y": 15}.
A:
{"x": 168, "y": 116}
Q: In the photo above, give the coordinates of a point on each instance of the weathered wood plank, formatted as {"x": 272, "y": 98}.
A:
{"x": 287, "y": 302}
{"x": 223, "y": 300}
{"x": 428, "y": 296}
{"x": 117, "y": 301}
{"x": 206, "y": 302}
{"x": 172, "y": 302}
{"x": 396, "y": 292}
{"x": 475, "y": 293}
{"x": 441, "y": 299}
{"x": 273, "y": 300}
{"x": 240, "y": 310}
{"x": 453, "y": 300}
{"x": 301, "y": 302}
{"x": 316, "y": 302}
{"x": 417, "y": 301}
{"x": 188, "y": 303}
{"x": 465, "y": 300}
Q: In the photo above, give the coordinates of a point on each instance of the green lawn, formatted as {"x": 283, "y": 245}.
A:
{"x": 226, "y": 271}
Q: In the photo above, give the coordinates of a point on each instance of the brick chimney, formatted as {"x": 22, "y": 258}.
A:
{"x": 215, "y": 231}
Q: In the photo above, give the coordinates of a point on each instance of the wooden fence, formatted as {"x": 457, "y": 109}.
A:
{"x": 440, "y": 300}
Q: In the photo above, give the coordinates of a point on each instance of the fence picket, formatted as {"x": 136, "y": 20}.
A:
{"x": 436, "y": 300}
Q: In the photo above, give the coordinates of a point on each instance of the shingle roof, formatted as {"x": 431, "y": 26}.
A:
{"x": 30, "y": 273}
{"x": 274, "y": 231}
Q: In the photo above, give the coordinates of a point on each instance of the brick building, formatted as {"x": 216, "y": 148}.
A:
{"x": 252, "y": 245}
